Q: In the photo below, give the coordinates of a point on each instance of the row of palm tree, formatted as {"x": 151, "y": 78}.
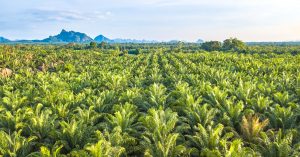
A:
{"x": 86, "y": 103}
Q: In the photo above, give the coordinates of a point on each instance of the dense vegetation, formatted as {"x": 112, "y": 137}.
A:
{"x": 165, "y": 100}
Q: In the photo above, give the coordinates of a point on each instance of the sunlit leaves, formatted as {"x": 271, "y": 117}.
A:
{"x": 65, "y": 102}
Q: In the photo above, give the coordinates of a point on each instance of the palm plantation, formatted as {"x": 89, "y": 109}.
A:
{"x": 78, "y": 101}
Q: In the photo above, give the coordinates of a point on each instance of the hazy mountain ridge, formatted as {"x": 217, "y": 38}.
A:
{"x": 2, "y": 39}
{"x": 78, "y": 37}
{"x": 102, "y": 38}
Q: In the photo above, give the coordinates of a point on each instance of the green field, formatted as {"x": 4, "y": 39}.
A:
{"x": 163, "y": 102}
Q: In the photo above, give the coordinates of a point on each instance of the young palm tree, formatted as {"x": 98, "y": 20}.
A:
{"x": 182, "y": 99}
{"x": 15, "y": 145}
{"x": 278, "y": 144}
{"x": 13, "y": 101}
{"x": 131, "y": 95}
{"x": 251, "y": 127}
{"x": 116, "y": 82}
{"x": 74, "y": 134}
{"x": 282, "y": 117}
{"x": 208, "y": 139}
{"x": 104, "y": 148}
{"x": 156, "y": 96}
{"x": 245, "y": 91}
{"x": 159, "y": 137}
{"x": 215, "y": 96}
{"x": 236, "y": 149}
{"x": 13, "y": 121}
{"x": 89, "y": 116}
{"x": 124, "y": 123}
{"x": 200, "y": 114}
{"x": 62, "y": 111}
{"x": 125, "y": 117}
{"x": 283, "y": 98}
{"x": 260, "y": 104}
{"x": 232, "y": 113}
{"x": 41, "y": 122}
{"x": 46, "y": 152}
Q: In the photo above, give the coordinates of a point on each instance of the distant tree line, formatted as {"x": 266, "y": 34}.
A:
{"x": 232, "y": 44}
{"x": 228, "y": 45}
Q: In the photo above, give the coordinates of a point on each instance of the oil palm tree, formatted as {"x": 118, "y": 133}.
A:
{"x": 13, "y": 121}
{"x": 46, "y": 152}
{"x": 251, "y": 127}
{"x": 15, "y": 145}
{"x": 237, "y": 149}
{"x": 125, "y": 117}
{"x": 124, "y": 123}
{"x": 208, "y": 139}
{"x": 74, "y": 134}
{"x": 41, "y": 122}
{"x": 156, "y": 96}
{"x": 159, "y": 137}
{"x": 283, "y": 117}
{"x": 200, "y": 114}
{"x": 278, "y": 144}
{"x": 104, "y": 148}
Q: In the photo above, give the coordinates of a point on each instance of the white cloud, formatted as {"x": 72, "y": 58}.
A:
{"x": 46, "y": 15}
{"x": 154, "y": 19}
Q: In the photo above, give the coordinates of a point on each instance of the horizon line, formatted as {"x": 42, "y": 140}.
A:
{"x": 157, "y": 41}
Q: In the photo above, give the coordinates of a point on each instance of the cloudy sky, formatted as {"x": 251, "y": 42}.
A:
{"x": 249, "y": 20}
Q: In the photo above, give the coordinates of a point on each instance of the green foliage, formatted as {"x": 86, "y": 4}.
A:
{"x": 15, "y": 144}
{"x": 278, "y": 144}
{"x": 104, "y": 148}
{"x": 93, "y": 45}
{"x": 45, "y": 152}
{"x": 211, "y": 46}
{"x": 233, "y": 44}
{"x": 170, "y": 100}
{"x": 159, "y": 139}
{"x": 251, "y": 127}
{"x": 134, "y": 52}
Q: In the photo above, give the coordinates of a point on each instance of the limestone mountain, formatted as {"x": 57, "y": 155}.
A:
{"x": 101, "y": 38}
{"x": 69, "y": 36}
{"x": 3, "y": 40}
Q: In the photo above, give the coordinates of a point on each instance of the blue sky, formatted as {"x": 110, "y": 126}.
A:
{"x": 249, "y": 20}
